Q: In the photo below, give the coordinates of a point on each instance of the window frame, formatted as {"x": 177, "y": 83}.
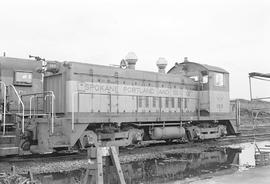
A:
{"x": 195, "y": 78}
{"x": 220, "y": 79}
{"x": 22, "y": 83}
{"x": 205, "y": 79}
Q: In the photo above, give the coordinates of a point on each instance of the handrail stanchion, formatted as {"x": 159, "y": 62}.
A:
{"x": 73, "y": 109}
{"x": 239, "y": 112}
{"x": 20, "y": 100}
{"x": 5, "y": 104}
{"x": 52, "y": 116}
{"x": 30, "y": 113}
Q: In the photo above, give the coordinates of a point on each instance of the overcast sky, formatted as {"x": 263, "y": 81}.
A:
{"x": 232, "y": 34}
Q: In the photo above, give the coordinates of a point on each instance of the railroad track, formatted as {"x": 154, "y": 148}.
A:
{"x": 250, "y": 136}
{"x": 145, "y": 144}
{"x": 46, "y": 157}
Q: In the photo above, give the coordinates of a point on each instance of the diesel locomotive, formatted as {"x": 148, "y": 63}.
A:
{"x": 49, "y": 106}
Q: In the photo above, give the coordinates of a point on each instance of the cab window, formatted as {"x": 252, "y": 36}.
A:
{"x": 205, "y": 79}
{"x": 195, "y": 78}
{"x": 23, "y": 78}
{"x": 219, "y": 79}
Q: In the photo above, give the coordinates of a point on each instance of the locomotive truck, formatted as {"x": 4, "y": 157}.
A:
{"x": 64, "y": 106}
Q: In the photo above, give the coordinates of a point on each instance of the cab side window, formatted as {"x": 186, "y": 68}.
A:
{"x": 23, "y": 78}
{"x": 219, "y": 79}
{"x": 205, "y": 79}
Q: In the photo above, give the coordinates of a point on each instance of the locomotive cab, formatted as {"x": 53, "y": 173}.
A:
{"x": 213, "y": 84}
{"x": 213, "y": 93}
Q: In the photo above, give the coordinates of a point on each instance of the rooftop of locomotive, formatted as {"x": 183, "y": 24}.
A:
{"x": 4, "y": 58}
{"x": 110, "y": 70}
{"x": 203, "y": 66}
{"x": 108, "y": 66}
{"x": 11, "y": 62}
{"x": 185, "y": 63}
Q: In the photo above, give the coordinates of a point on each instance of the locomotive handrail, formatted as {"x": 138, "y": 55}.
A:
{"x": 20, "y": 100}
{"x": 35, "y": 95}
{"x": 30, "y": 106}
{"x": 31, "y": 94}
{"x": 5, "y": 104}
{"x": 53, "y": 98}
{"x": 51, "y": 93}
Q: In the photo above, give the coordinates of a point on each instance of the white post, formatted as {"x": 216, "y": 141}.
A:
{"x": 53, "y": 97}
{"x": 239, "y": 112}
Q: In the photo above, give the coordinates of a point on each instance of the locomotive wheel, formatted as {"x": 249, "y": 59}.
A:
{"x": 88, "y": 138}
{"x": 25, "y": 145}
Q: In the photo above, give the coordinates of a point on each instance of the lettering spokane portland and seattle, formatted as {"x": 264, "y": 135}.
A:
{"x": 96, "y": 88}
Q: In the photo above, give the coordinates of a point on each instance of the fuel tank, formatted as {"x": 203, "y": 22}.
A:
{"x": 173, "y": 132}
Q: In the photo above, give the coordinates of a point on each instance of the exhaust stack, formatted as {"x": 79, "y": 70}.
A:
{"x": 161, "y": 64}
{"x": 131, "y": 60}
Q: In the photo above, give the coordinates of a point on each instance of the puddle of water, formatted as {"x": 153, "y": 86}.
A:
{"x": 60, "y": 178}
{"x": 177, "y": 167}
